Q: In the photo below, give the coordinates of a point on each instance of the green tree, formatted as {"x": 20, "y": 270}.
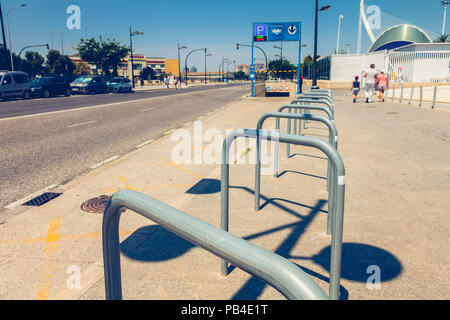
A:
{"x": 240, "y": 75}
{"x": 59, "y": 64}
{"x": 106, "y": 55}
{"x": 280, "y": 66}
{"x": 147, "y": 74}
{"x": 33, "y": 64}
{"x": 90, "y": 51}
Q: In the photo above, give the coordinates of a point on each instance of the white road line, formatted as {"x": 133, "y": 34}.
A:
{"x": 169, "y": 132}
{"x": 149, "y": 109}
{"x": 81, "y": 124}
{"x": 31, "y": 196}
{"x": 104, "y": 162}
{"x": 104, "y": 105}
{"x": 145, "y": 143}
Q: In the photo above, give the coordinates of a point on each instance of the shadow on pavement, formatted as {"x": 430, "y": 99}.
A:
{"x": 154, "y": 243}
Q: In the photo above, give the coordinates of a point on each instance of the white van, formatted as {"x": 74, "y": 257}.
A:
{"x": 14, "y": 84}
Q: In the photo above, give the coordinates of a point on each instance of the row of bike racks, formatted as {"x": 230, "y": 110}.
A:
{"x": 335, "y": 171}
{"x": 277, "y": 271}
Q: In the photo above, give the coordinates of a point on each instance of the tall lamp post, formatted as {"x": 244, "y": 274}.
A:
{"x": 9, "y": 33}
{"x": 3, "y": 28}
{"x": 206, "y": 55}
{"x": 445, "y": 4}
{"x": 341, "y": 17}
{"x": 280, "y": 48}
{"x": 39, "y": 45}
{"x": 179, "y": 68}
{"x": 132, "y": 34}
{"x": 246, "y": 45}
{"x": 324, "y": 8}
{"x": 185, "y": 62}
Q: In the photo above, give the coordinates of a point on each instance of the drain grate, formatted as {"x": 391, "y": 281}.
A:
{"x": 96, "y": 205}
{"x": 42, "y": 199}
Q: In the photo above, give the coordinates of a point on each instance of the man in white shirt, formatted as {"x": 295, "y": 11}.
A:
{"x": 371, "y": 77}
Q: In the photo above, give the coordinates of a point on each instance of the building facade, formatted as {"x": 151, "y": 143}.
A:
{"x": 161, "y": 65}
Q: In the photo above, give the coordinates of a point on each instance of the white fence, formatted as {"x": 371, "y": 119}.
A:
{"x": 419, "y": 66}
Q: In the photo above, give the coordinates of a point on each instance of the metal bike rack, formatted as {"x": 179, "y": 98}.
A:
{"x": 319, "y": 95}
{"x": 301, "y": 100}
{"x": 302, "y": 107}
{"x": 333, "y": 140}
{"x": 339, "y": 184}
{"x": 277, "y": 271}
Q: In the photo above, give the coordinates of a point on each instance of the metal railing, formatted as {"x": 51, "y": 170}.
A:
{"x": 336, "y": 212}
{"x": 277, "y": 271}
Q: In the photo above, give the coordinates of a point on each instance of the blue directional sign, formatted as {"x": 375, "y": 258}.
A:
{"x": 276, "y": 31}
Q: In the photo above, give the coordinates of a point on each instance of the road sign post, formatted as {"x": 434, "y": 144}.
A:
{"x": 277, "y": 32}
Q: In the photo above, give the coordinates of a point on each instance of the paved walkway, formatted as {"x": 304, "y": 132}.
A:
{"x": 396, "y": 214}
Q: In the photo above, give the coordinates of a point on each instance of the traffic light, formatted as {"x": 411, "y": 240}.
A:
{"x": 237, "y": 46}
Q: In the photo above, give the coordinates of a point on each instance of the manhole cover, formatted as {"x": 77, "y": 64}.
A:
{"x": 42, "y": 199}
{"x": 96, "y": 205}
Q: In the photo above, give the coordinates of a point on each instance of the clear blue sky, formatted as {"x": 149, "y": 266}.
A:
{"x": 215, "y": 24}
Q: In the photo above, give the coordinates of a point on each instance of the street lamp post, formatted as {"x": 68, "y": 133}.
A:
{"x": 324, "y": 8}
{"x": 445, "y": 4}
{"x": 341, "y": 17}
{"x": 206, "y": 55}
{"x": 246, "y": 45}
{"x": 39, "y": 45}
{"x": 3, "y": 28}
{"x": 179, "y": 68}
{"x": 132, "y": 34}
{"x": 9, "y": 33}
{"x": 185, "y": 63}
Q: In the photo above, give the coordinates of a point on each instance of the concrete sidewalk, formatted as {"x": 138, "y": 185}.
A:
{"x": 396, "y": 214}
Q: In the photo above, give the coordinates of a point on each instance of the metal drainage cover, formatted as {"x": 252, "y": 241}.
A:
{"x": 96, "y": 205}
{"x": 42, "y": 199}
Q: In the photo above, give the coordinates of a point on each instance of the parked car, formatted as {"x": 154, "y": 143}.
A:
{"x": 119, "y": 84}
{"x": 14, "y": 84}
{"x": 49, "y": 86}
{"x": 90, "y": 84}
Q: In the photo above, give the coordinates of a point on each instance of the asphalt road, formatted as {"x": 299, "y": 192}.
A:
{"x": 49, "y": 142}
{"x": 20, "y": 107}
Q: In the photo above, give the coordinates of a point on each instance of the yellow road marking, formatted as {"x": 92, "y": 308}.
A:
{"x": 125, "y": 183}
{"x": 48, "y": 267}
{"x": 194, "y": 174}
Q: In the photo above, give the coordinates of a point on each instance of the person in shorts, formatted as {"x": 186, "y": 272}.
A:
{"x": 356, "y": 87}
{"x": 382, "y": 81}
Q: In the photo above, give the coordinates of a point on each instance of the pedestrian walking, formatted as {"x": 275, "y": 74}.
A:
{"x": 167, "y": 80}
{"x": 370, "y": 80}
{"x": 356, "y": 87}
{"x": 383, "y": 85}
{"x": 175, "y": 83}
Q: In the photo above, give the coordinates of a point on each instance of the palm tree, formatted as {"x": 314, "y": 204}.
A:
{"x": 443, "y": 38}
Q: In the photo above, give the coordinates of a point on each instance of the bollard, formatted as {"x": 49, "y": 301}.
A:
{"x": 393, "y": 92}
{"x": 401, "y": 93}
{"x": 434, "y": 97}
{"x": 412, "y": 94}
{"x": 421, "y": 96}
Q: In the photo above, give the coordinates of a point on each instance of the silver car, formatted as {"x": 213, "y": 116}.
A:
{"x": 14, "y": 84}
